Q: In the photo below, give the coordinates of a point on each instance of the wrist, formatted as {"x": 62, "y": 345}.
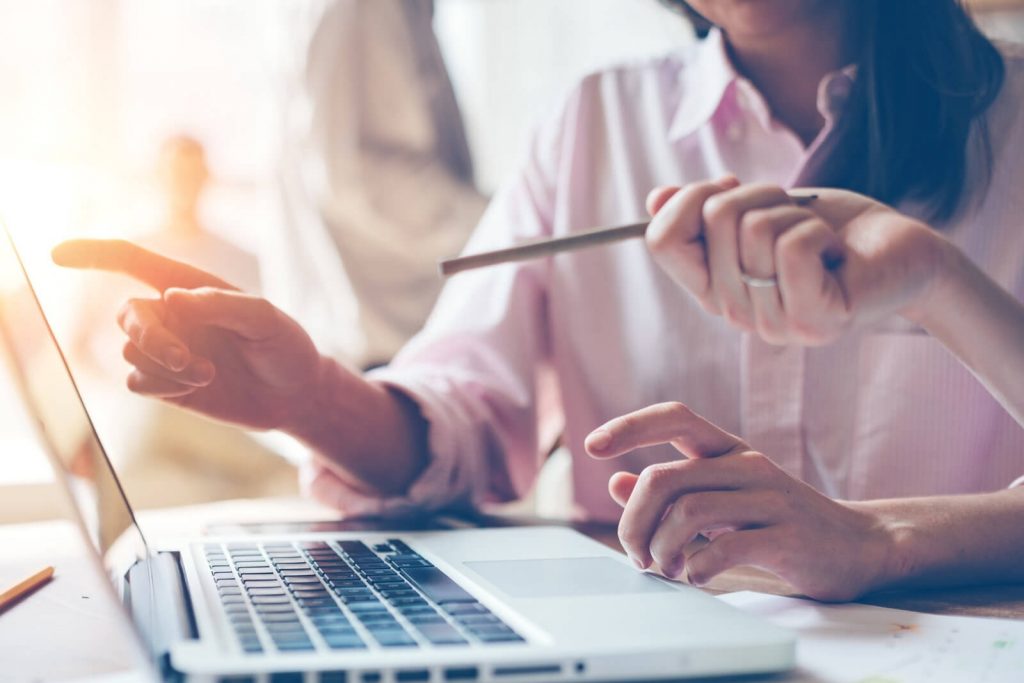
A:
{"x": 374, "y": 434}
{"x": 306, "y": 416}
{"x": 892, "y": 548}
{"x": 947, "y": 279}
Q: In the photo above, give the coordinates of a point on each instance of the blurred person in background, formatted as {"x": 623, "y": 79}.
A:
{"x": 172, "y": 456}
{"x": 377, "y": 179}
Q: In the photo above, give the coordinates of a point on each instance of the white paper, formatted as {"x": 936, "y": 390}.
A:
{"x": 863, "y": 644}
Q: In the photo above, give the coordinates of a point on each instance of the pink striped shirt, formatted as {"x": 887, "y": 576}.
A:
{"x": 883, "y": 413}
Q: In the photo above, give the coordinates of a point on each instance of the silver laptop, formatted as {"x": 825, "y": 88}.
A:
{"x": 513, "y": 604}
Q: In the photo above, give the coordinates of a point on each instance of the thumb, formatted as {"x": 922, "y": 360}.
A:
{"x": 621, "y": 486}
{"x": 659, "y": 196}
{"x": 250, "y": 316}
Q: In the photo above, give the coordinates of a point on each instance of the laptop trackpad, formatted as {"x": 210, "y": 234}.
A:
{"x": 565, "y": 577}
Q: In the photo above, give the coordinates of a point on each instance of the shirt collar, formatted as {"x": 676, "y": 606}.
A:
{"x": 704, "y": 84}
{"x": 708, "y": 79}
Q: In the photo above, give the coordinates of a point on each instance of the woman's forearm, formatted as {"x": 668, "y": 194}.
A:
{"x": 952, "y": 540}
{"x": 983, "y": 325}
{"x": 363, "y": 430}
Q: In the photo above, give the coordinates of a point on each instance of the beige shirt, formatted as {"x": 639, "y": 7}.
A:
{"x": 377, "y": 179}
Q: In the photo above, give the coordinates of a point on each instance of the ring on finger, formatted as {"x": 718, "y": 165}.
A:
{"x": 759, "y": 282}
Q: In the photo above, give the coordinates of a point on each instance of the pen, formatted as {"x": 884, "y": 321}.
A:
{"x": 546, "y": 247}
{"x": 19, "y": 591}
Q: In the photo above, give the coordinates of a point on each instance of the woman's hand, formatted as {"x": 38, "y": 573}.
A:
{"x": 844, "y": 260}
{"x": 203, "y": 345}
{"x": 755, "y": 513}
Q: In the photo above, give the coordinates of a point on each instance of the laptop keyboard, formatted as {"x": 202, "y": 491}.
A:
{"x": 345, "y": 595}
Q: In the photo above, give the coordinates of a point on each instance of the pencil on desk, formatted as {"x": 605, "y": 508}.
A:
{"x": 19, "y": 591}
{"x": 547, "y": 247}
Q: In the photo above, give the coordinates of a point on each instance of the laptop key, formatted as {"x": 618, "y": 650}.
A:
{"x": 345, "y": 643}
{"x": 400, "y": 546}
{"x": 251, "y": 646}
{"x": 355, "y": 547}
{"x": 303, "y": 581}
{"x": 281, "y": 618}
{"x": 477, "y": 619}
{"x": 405, "y": 562}
{"x": 277, "y": 608}
{"x": 394, "y": 639}
{"x": 465, "y": 608}
{"x": 410, "y": 610}
{"x": 367, "y": 606}
{"x": 442, "y": 634}
{"x": 415, "y": 601}
{"x": 419, "y": 619}
{"x": 287, "y": 677}
{"x": 494, "y": 633}
{"x": 265, "y": 600}
{"x": 375, "y": 617}
{"x": 262, "y": 584}
{"x": 318, "y": 604}
{"x": 307, "y": 573}
{"x": 436, "y": 585}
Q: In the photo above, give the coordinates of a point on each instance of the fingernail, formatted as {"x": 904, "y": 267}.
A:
{"x": 674, "y": 570}
{"x": 636, "y": 563}
{"x": 599, "y": 440}
{"x": 175, "y": 359}
{"x": 202, "y": 373}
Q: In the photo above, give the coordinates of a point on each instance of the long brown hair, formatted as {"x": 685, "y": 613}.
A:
{"x": 925, "y": 75}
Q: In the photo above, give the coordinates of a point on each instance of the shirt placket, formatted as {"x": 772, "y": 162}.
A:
{"x": 772, "y": 401}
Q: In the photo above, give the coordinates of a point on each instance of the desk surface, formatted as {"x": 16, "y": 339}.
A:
{"x": 85, "y": 636}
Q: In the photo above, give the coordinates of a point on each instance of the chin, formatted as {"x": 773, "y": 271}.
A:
{"x": 760, "y": 17}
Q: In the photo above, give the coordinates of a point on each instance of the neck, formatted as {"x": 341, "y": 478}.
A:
{"x": 787, "y": 67}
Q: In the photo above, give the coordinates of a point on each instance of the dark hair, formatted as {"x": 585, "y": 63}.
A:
{"x": 925, "y": 75}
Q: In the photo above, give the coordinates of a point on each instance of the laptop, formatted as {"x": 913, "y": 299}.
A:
{"x": 510, "y": 604}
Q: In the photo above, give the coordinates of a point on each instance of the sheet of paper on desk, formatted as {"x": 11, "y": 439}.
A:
{"x": 864, "y": 644}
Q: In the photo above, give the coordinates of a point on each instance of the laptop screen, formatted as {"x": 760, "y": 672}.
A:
{"x": 63, "y": 424}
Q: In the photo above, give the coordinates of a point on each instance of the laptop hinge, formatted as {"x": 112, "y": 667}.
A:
{"x": 157, "y": 597}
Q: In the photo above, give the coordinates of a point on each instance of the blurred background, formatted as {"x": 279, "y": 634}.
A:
{"x": 260, "y": 139}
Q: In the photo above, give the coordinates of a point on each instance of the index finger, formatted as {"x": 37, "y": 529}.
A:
{"x": 121, "y": 256}
{"x": 673, "y": 423}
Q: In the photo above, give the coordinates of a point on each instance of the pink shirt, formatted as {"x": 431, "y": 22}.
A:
{"x": 883, "y": 413}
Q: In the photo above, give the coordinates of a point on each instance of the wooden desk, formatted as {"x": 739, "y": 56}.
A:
{"x": 85, "y": 632}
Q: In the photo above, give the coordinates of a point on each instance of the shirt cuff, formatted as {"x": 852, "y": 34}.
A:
{"x": 447, "y": 481}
